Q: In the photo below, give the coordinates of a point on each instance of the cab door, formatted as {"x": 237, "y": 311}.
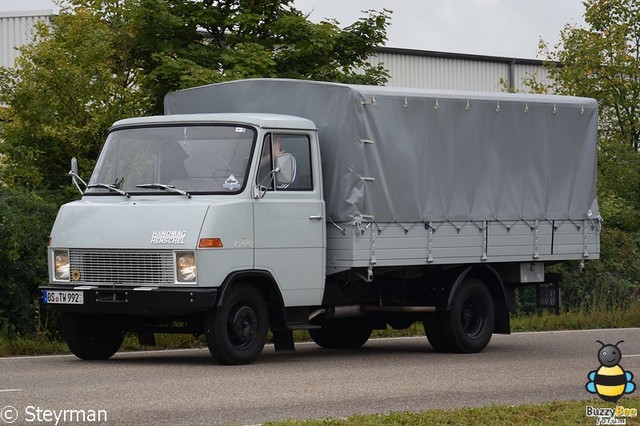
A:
{"x": 289, "y": 217}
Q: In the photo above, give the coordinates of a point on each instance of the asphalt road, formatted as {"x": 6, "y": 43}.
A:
{"x": 402, "y": 374}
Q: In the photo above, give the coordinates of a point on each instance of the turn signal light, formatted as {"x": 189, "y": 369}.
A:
{"x": 210, "y": 243}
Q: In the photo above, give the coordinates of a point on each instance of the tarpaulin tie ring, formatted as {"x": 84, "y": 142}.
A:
{"x": 406, "y": 231}
{"x": 336, "y": 225}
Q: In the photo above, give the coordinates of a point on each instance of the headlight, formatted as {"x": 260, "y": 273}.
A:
{"x": 186, "y": 267}
{"x": 61, "y": 265}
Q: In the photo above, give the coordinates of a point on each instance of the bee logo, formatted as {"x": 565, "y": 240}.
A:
{"x": 610, "y": 381}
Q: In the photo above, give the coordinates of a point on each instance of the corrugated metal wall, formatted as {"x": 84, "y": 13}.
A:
{"x": 451, "y": 71}
{"x": 16, "y": 29}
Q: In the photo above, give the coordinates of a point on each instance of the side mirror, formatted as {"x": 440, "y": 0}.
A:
{"x": 285, "y": 169}
{"x": 74, "y": 166}
{"x": 284, "y": 174}
{"x": 74, "y": 175}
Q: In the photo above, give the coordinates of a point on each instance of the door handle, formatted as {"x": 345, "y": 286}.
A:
{"x": 316, "y": 217}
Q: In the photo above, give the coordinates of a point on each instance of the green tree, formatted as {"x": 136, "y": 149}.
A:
{"x": 602, "y": 61}
{"x": 184, "y": 44}
{"x": 67, "y": 88}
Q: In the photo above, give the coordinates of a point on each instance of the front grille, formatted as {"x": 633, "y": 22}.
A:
{"x": 122, "y": 267}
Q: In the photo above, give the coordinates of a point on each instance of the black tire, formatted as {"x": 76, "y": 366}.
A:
{"x": 90, "y": 337}
{"x": 237, "y": 331}
{"x": 434, "y": 331}
{"x": 344, "y": 333}
{"x": 468, "y": 326}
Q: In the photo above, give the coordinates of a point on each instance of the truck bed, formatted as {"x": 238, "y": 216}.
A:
{"x": 443, "y": 243}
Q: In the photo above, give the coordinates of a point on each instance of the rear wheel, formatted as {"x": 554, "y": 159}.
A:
{"x": 237, "y": 331}
{"x": 343, "y": 333}
{"x": 468, "y": 325}
{"x": 90, "y": 337}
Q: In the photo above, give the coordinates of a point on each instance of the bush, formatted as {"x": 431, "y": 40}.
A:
{"x": 26, "y": 218}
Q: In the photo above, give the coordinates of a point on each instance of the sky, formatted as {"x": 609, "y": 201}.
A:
{"x": 507, "y": 28}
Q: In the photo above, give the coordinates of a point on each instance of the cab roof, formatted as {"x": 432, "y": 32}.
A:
{"x": 262, "y": 120}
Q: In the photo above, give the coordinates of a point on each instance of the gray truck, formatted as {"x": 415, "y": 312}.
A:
{"x": 281, "y": 204}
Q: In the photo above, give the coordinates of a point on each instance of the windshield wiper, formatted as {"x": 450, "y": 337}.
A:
{"x": 112, "y": 188}
{"x": 169, "y": 188}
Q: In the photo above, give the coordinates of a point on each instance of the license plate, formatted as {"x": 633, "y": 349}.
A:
{"x": 63, "y": 297}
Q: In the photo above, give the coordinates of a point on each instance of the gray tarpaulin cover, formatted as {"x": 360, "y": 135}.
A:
{"x": 411, "y": 155}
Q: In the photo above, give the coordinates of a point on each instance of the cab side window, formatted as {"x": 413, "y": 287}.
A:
{"x": 298, "y": 149}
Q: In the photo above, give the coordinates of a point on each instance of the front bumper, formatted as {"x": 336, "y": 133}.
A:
{"x": 136, "y": 300}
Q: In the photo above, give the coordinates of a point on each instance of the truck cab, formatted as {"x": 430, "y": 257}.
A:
{"x": 181, "y": 212}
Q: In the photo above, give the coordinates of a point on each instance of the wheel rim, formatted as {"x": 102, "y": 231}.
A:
{"x": 242, "y": 326}
{"x": 472, "y": 317}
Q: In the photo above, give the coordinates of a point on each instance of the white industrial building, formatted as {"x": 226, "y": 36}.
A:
{"x": 407, "y": 68}
{"x": 17, "y": 29}
{"x": 455, "y": 71}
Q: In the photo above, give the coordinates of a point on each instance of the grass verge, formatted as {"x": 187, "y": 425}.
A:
{"x": 23, "y": 346}
{"x": 582, "y": 319}
{"x": 555, "y": 413}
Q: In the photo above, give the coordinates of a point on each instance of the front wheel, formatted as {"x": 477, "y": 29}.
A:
{"x": 468, "y": 325}
{"x": 90, "y": 337}
{"x": 236, "y": 332}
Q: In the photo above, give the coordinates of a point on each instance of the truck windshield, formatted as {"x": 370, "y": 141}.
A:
{"x": 192, "y": 159}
